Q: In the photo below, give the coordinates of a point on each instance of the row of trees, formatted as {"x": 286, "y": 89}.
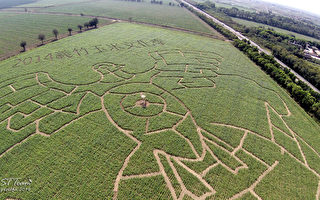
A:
{"x": 156, "y": 2}
{"x": 306, "y": 69}
{"x": 152, "y": 2}
{"x": 305, "y": 96}
{"x": 206, "y": 5}
{"x": 289, "y": 50}
{"x": 91, "y": 24}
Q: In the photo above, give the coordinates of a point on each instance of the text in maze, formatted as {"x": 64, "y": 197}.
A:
{"x": 84, "y": 51}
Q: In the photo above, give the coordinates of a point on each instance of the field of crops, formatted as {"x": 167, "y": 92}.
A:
{"x": 228, "y": 5}
{"x": 11, "y": 3}
{"x": 54, "y": 15}
{"x": 74, "y": 124}
{"x": 255, "y": 24}
{"x": 18, "y": 27}
{"x": 46, "y": 3}
{"x": 143, "y": 12}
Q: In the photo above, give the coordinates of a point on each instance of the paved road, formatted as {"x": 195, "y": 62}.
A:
{"x": 241, "y": 37}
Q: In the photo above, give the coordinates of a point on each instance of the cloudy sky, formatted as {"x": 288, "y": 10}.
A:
{"x": 312, "y": 6}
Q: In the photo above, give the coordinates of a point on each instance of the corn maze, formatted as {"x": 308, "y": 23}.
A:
{"x": 174, "y": 150}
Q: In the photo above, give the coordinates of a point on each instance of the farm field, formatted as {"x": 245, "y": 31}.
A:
{"x": 214, "y": 126}
{"x": 255, "y": 24}
{"x": 17, "y": 27}
{"x": 7, "y": 4}
{"x": 143, "y": 12}
{"x": 227, "y": 5}
{"x": 46, "y": 3}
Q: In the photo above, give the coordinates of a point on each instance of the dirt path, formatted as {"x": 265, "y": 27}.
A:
{"x": 128, "y": 134}
{"x": 269, "y": 122}
{"x": 241, "y": 143}
{"x": 318, "y": 192}
{"x": 12, "y": 88}
{"x": 162, "y": 171}
{"x": 141, "y": 176}
{"x": 255, "y": 195}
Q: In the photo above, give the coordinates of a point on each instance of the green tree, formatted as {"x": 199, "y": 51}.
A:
{"x": 41, "y": 37}
{"x": 308, "y": 101}
{"x": 80, "y": 27}
{"x": 86, "y": 25}
{"x": 70, "y": 30}
{"x": 316, "y": 109}
{"x": 55, "y": 33}
{"x": 94, "y": 22}
{"x": 23, "y": 44}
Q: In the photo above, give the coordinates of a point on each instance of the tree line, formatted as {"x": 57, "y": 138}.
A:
{"x": 289, "y": 50}
{"x": 152, "y": 2}
{"x": 91, "y": 24}
{"x": 303, "y": 27}
{"x": 286, "y": 48}
{"x": 305, "y": 96}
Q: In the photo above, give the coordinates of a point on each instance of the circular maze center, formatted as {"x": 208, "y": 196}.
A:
{"x": 143, "y": 105}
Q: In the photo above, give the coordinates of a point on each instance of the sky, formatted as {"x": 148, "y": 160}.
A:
{"x": 312, "y": 6}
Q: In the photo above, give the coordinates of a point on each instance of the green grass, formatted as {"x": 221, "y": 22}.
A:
{"x": 26, "y": 27}
{"x": 255, "y": 24}
{"x": 214, "y": 100}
